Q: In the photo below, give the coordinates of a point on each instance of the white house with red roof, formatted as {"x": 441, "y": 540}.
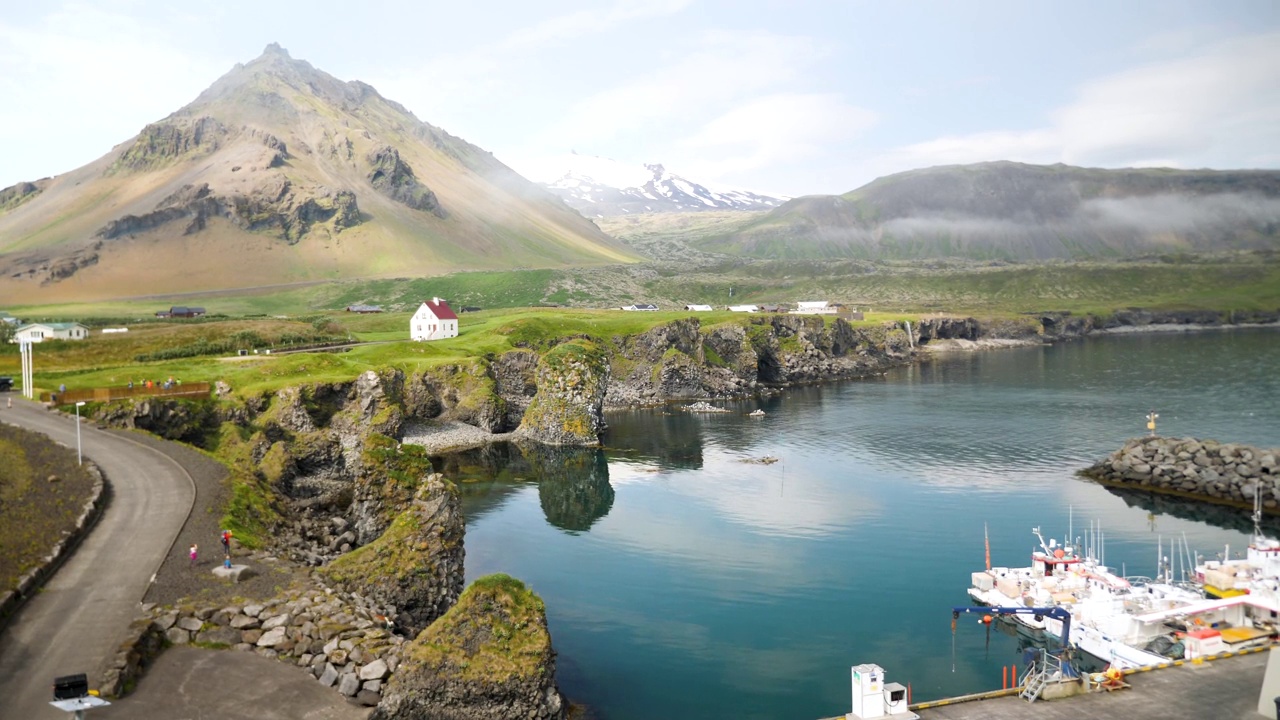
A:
{"x": 435, "y": 320}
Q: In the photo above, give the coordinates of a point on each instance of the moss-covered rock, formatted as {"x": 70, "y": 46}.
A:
{"x": 415, "y": 566}
{"x": 572, "y": 379}
{"x": 489, "y": 658}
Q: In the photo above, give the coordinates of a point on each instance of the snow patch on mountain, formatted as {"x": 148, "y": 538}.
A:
{"x": 600, "y": 187}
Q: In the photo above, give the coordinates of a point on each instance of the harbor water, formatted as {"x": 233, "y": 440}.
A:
{"x": 722, "y": 565}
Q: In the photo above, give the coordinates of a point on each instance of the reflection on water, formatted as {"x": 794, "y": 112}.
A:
{"x": 676, "y": 575}
{"x": 573, "y": 483}
{"x": 1223, "y": 516}
{"x": 667, "y": 437}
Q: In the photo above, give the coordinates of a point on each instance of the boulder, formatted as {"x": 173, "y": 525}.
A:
{"x": 219, "y": 636}
{"x": 244, "y": 622}
{"x": 276, "y": 621}
{"x": 489, "y": 658}
{"x": 376, "y": 670}
{"x": 233, "y": 574}
{"x": 272, "y": 638}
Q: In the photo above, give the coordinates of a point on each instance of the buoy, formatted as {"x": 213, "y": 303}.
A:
{"x": 986, "y": 619}
{"x": 1059, "y": 553}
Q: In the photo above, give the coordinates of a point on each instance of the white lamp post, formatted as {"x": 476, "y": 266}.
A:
{"x": 79, "y": 457}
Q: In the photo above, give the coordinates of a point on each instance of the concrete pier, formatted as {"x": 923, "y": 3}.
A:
{"x": 1226, "y": 689}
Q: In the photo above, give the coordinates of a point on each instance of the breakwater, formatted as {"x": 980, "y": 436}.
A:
{"x": 1226, "y": 473}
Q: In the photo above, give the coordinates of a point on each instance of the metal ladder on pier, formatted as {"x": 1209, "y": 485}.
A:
{"x": 1044, "y": 670}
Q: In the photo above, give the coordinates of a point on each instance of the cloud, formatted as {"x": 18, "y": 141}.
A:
{"x": 773, "y": 129}
{"x": 87, "y": 58}
{"x": 694, "y": 85}
{"x": 715, "y": 108}
{"x": 458, "y": 83}
{"x": 1218, "y": 107}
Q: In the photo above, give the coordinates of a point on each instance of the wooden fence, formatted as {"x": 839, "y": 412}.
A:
{"x": 107, "y": 394}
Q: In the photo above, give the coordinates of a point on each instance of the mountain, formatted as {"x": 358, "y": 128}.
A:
{"x": 281, "y": 173}
{"x": 1006, "y": 210}
{"x": 599, "y": 187}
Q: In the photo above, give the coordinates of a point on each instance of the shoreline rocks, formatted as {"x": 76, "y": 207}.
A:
{"x": 1227, "y": 473}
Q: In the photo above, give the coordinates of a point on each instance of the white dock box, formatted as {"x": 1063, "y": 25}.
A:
{"x": 983, "y": 581}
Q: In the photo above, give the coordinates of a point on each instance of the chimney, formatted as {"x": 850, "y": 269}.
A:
{"x": 435, "y": 301}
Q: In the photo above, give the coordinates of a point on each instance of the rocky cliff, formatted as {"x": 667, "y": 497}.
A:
{"x": 489, "y": 658}
{"x": 414, "y": 568}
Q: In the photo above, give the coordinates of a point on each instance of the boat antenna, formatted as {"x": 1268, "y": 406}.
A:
{"x": 986, "y": 541}
{"x": 1070, "y": 523}
{"x": 1257, "y": 512}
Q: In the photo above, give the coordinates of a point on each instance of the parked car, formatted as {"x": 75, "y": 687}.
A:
{"x": 6, "y": 383}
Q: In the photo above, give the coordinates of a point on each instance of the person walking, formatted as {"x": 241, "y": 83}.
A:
{"x": 226, "y": 543}
{"x": 195, "y": 549}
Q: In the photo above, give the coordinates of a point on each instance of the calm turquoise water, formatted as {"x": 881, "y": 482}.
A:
{"x": 681, "y": 582}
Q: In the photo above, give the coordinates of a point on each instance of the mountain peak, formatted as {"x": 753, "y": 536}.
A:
{"x": 597, "y": 186}
{"x": 275, "y": 49}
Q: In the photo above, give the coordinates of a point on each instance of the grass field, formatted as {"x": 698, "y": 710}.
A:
{"x": 1230, "y": 282}
{"x": 35, "y": 509}
{"x": 285, "y": 317}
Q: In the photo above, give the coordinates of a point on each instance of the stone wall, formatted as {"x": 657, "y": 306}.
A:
{"x": 1219, "y": 472}
{"x": 343, "y": 640}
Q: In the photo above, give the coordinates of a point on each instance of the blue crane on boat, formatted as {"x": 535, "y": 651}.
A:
{"x": 1054, "y": 612}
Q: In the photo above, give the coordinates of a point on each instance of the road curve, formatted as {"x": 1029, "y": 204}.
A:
{"x": 75, "y": 624}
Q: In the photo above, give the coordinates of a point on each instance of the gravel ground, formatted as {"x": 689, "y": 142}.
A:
{"x": 176, "y": 578}
{"x": 440, "y": 436}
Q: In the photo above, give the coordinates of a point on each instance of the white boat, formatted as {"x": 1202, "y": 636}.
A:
{"x": 1113, "y": 618}
{"x": 1257, "y": 571}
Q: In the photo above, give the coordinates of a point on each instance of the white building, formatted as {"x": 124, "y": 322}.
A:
{"x": 39, "y": 332}
{"x": 744, "y": 308}
{"x": 640, "y": 307}
{"x": 818, "y": 307}
{"x": 698, "y": 308}
{"x": 435, "y": 320}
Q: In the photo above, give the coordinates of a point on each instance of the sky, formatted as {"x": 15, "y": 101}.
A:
{"x": 788, "y": 98}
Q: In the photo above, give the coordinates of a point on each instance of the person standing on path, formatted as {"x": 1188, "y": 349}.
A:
{"x": 226, "y": 543}
{"x": 194, "y": 551}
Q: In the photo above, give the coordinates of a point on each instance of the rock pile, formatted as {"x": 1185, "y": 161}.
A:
{"x": 344, "y": 641}
{"x": 704, "y": 407}
{"x": 1219, "y": 472}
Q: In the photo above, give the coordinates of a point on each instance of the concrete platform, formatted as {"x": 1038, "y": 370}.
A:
{"x": 187, "y": 683}
{"x": 1224, "y": 689}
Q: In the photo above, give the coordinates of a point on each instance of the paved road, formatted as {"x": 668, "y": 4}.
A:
{"x": 76, "y": 623}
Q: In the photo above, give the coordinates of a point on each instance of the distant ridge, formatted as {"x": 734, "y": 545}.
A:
{"x": 281, "y": 173}
{"x": 1014, "y": 211}
{"x": 599, "y": 187}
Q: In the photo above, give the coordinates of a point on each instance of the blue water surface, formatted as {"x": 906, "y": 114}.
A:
{"x": 683, "y": 581}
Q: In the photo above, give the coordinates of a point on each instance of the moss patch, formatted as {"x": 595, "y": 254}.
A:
{"x": 496, "y": 632}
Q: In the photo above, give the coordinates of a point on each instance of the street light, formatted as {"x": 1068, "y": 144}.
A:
{"x": 79, "y": 457}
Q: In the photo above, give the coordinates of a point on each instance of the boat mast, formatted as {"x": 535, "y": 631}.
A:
{"x": 986, "y": 541}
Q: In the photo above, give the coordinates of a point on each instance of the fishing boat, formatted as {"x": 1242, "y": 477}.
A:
{"x": 1134, "y": 622}
{"x": 1256, "y": 572}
